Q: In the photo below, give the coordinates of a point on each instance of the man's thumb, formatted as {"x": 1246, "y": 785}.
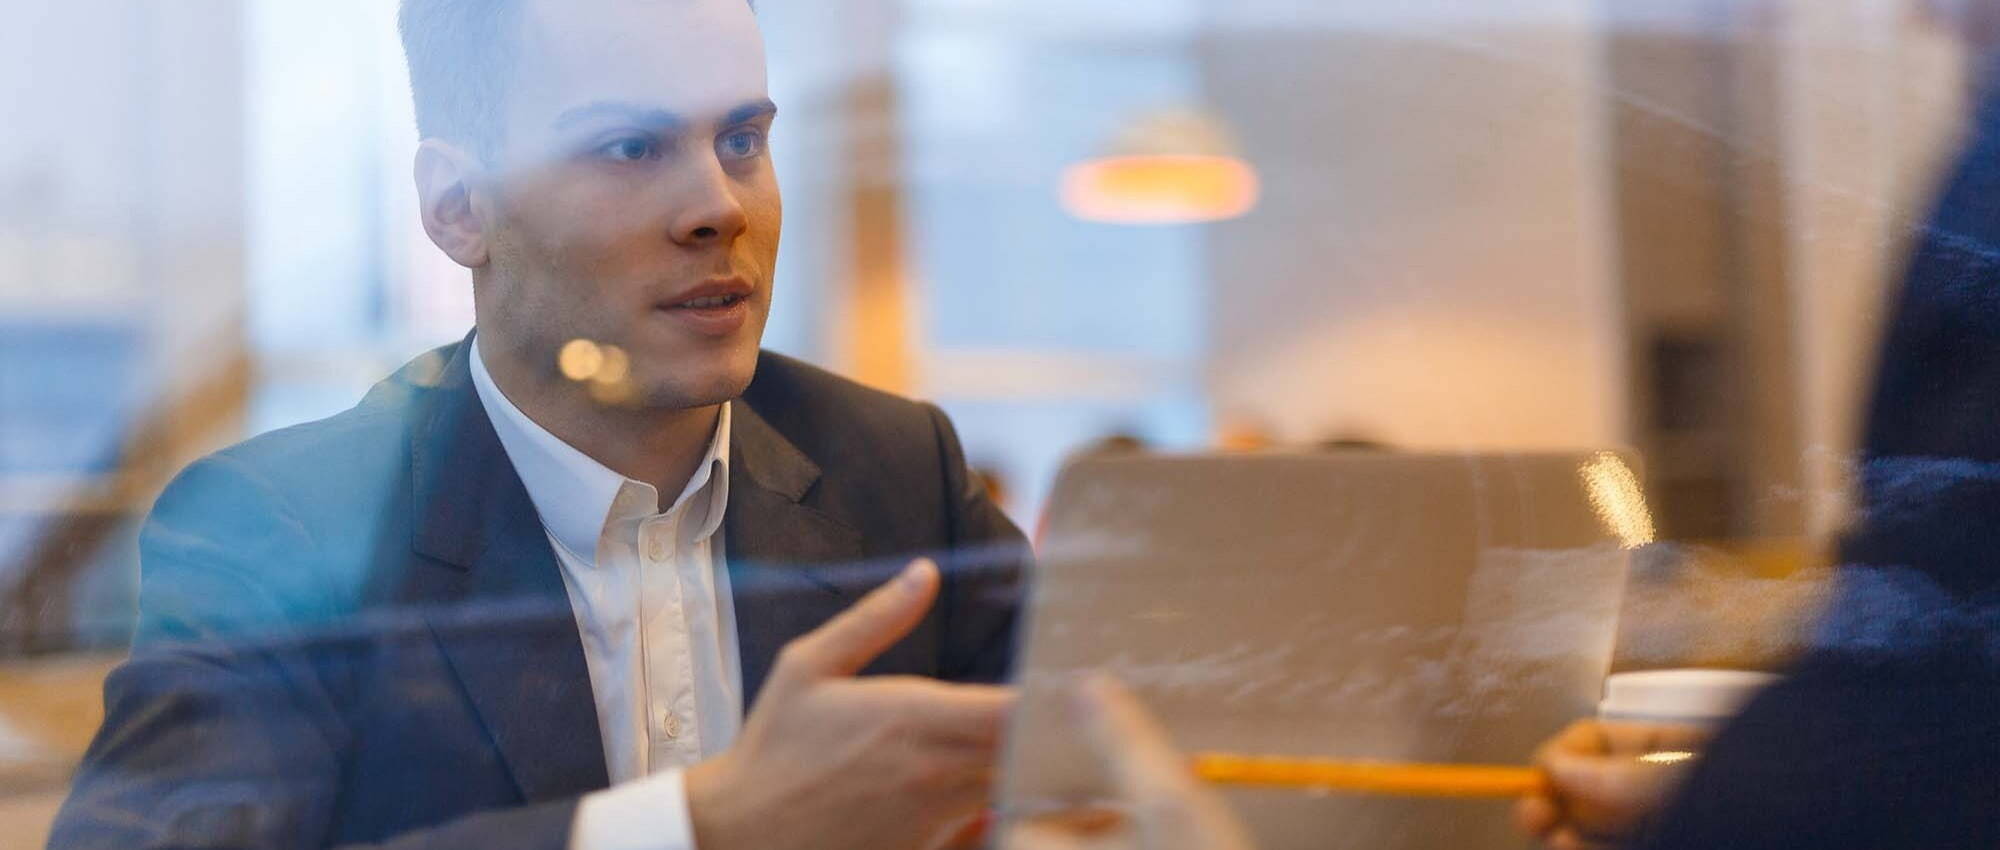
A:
{"x": 846, "y": 643}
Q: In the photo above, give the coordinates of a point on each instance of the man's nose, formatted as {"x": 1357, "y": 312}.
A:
{"x": 708, "y": 209}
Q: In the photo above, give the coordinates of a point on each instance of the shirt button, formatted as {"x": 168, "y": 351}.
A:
{"x": 656, "y": 548}
{"x": 670, "y": 725}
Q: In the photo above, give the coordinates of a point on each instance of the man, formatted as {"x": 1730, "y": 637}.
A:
{"x": 521, "y": 595}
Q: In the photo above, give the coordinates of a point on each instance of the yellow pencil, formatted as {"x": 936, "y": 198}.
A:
{"x": 1371, "y": 777}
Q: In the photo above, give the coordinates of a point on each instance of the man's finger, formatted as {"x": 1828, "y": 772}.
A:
{"x": 846, "y": 643}
{"x": 1658, "y": 737}
{"x": 1171, "y": 808}
{"x": 1590, "y": 778}
{"x": 1583, "y": 737}
{"x": 1536, "y": 816}
{"x": 1137, "y": 754}
{"x": 1570, "y": 839}
{"x": 970, "y": 833}
{"x": 1610, "y": 795}
{"x": 970, "y": 715}
{"x": 1053, "y": 833}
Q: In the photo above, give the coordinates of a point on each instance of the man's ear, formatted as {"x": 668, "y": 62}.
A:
{"x": 444, "y": 193}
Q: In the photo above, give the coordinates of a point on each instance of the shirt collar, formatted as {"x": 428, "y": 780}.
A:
{"x": 577, "y": 497}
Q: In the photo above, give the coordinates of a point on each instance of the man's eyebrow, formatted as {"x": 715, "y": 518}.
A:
{"x": 645, "y": 116}
{"x": 751, "y": 111}
{"x": 658, "y": 119}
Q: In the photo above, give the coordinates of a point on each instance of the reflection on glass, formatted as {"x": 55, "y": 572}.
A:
{"x": 1615, "y": 495}
{"x": 1400, "y": 232}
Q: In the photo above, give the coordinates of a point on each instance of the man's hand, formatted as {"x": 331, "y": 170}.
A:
{"x": 1600, "y": 791}
{"x": 1155, "y": 801}
{"x": 830, "y": 761}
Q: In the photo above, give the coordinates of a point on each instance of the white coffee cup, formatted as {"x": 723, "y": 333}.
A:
{"x": 1690, "y": 696}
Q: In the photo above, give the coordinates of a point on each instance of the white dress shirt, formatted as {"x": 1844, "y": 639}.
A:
{"x": 654, "y": 611}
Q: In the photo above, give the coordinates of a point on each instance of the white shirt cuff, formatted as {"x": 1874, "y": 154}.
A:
{"x": 645, "y": 814}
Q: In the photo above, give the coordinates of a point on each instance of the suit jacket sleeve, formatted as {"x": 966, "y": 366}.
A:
{"x": 224, "y": 728}
{"x": 983, "y": 573}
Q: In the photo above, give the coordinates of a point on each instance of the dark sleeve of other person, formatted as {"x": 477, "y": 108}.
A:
{"x": 1887, "y": 733}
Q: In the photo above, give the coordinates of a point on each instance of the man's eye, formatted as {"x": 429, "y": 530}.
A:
{"x": 742, "y": 144}
{"x": 631, "y": 149}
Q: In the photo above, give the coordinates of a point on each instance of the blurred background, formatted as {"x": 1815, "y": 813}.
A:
{"x": 1170, "y": 224}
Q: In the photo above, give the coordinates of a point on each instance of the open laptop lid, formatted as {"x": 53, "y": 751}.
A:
{"x": 1446, "y": 608}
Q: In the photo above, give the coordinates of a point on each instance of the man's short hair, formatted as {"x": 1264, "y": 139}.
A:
{"x": 460, "y": 53}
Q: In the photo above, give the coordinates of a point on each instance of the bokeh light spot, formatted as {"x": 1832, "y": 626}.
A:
{"x": 580, "y": 360}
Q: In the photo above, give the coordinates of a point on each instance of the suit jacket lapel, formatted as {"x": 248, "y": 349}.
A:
{"x": 784, "y": 555}
{"x": 496, "y": 601}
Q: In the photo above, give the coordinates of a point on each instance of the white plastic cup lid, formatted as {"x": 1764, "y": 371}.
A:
{"x": 1682, "y": 696}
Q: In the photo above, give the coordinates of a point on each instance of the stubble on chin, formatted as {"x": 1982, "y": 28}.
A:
{"x": 665, "y": 394}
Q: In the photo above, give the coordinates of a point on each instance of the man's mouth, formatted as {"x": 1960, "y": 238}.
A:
{"x": 718, "y": 308}
{"x": 717, "y": 294}
{"x": 710, "y": 302}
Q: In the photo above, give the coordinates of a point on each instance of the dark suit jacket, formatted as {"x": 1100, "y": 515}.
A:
{"x": 354, "y": 631}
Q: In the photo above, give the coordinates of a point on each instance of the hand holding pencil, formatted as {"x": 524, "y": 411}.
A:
{"x": 1605, "y": 781}
{"x": 1591, "y": 786}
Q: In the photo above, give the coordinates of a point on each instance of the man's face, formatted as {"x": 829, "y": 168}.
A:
{"x": 635, "y": 203}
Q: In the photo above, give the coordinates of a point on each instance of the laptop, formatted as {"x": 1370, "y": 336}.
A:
{"x": 1370, "y": 605}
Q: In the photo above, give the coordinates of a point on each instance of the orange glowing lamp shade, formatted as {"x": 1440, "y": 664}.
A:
{"x": 1160, "y": 188}
{"x": 1168, "y": 166}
